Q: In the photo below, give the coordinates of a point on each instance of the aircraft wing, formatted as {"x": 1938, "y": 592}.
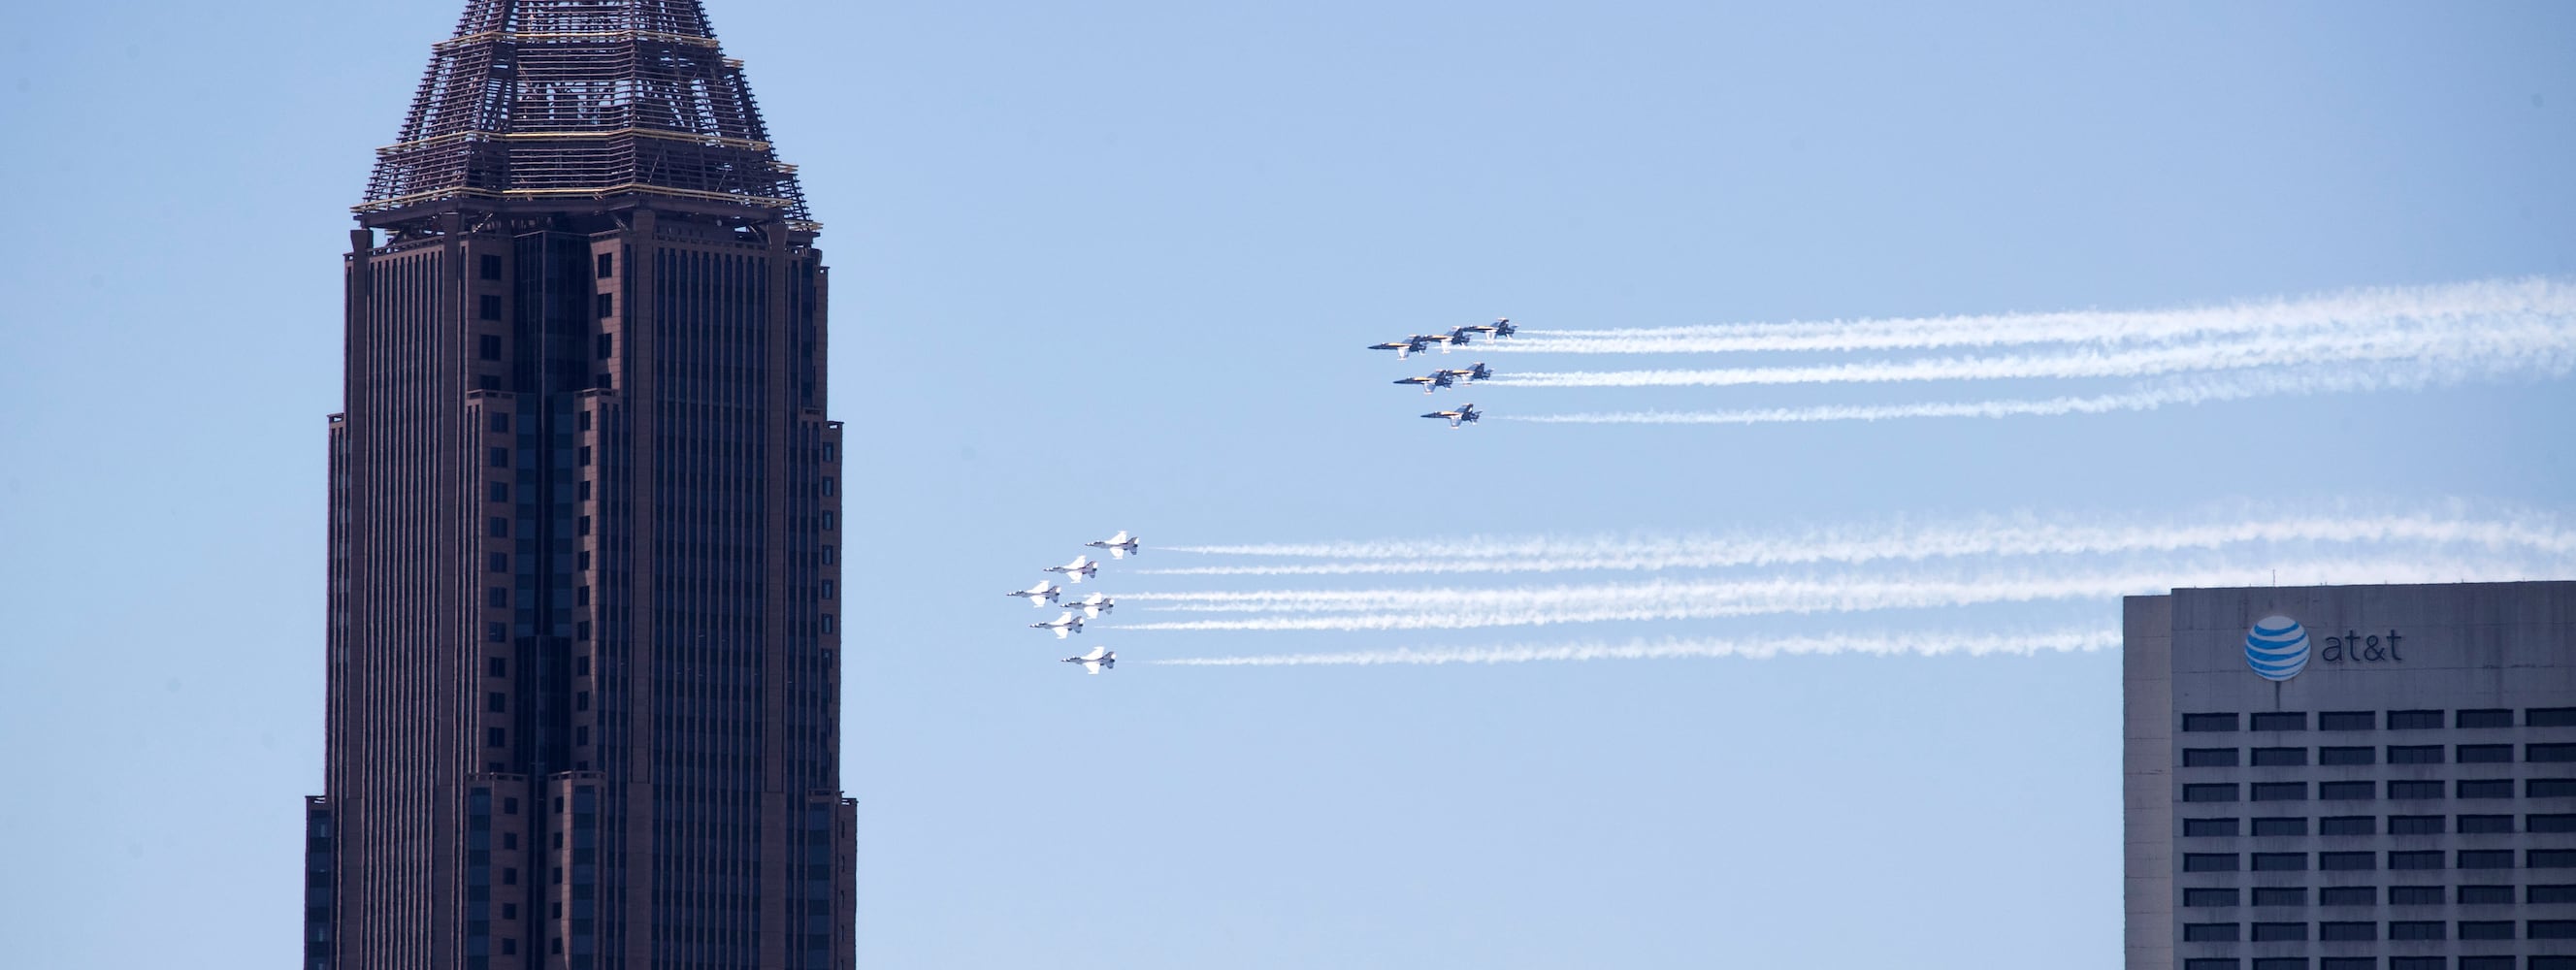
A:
{"x": 1091, "y": 667}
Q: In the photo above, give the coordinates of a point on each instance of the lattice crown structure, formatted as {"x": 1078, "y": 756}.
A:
{"x": 570, "y": 100}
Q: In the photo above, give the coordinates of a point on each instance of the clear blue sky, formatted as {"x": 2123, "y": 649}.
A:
{"x": 1108, "y": 266}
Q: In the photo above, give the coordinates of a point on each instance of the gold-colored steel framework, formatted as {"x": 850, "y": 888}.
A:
{"x": 574, "y": 99}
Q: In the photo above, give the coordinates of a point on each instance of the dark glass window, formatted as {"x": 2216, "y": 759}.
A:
{"x": 2280, "y": 932}
{"x": 2280, "y": 757}
{"x": 499, "y": 562}
{"x": 2348, "y": 825}
{"x": 2414, "y": 895}
{"x": 2552, "y": 859}
{"x": 2548, "y": 788}
{"x": 2280, "y": 826}
{"x": 2549, "y": 717}
{"x": 2414, "y": 789}
{"x": 2212, "y": 861}
{"x": 2347, "y": 931}
{"x": 497, "y": 527}
{"x": 2416, "y": 930}
{"x": 2208, "y": 827}
{"x": 607, "y": 305}
{"x": 2414, "y": 720}
{"x": 490, "y": 265}
{"x": 2486, "y": 895}
{"x": 2281, "y": 963}
{"x": 2281, "y": 861}
{"x": 2348, "y": 963}
{"x": 496, "y": 632}
{"x": 2345, "y": 791}
{"x": 2418, "y": 963}
{"x": 2487, "y": 963}
{"x": 2213, "y": 963}
{"x": 2549, "y": 823}
{"x": 2501, "y": 717}
{"x": 2281, "y": 721}
{"x": 2280, "y": 896}
{"x": 2209, "y": 757}
{"x": 500, "y": 458}
{"x": 496, "y": 597}
{"x": 2209, "y": 897}
{"x": 2344, "y": 896}
{"x": 498, "y": 491}
{"x": 2483, "y": 929}
{"x": 2485, "y": 825}
{"x": 2543, "y": 752}
{"x": 487, "y": 307}
{"x": 2549, "y": 894}
{"x": 607, "y": 265}
{"x": 2414, "y": 754}
{"x": 2470, "y": 754}
{"x": 2280, "y": 791}
{"x": 2347, "y": 756}
{"x": 2548, "y": 963}
{"x": 607, "y": 346}
{"x": 2347, "y": 720}
{"x": 2486, "y": 858}
{"x": 487, "y": 347}
{"x": 2209, "y": 722}
{"x": 496, "y": 667}
{"x": 2209, "y": 793}
{"x": 2426, "y": 859}
{"x": 2487, "y": 788}
{"x": 2552, "y": 929}
{"x": 584, "y": 455}
{"x": 2414, "y": 825}
{"x": 494, "y": 701}
{"x": 585, "y": 421}
{"x": 495, "y": 738}
{"x": 2347, "y": 861}
{"x": 2210, "y": 932}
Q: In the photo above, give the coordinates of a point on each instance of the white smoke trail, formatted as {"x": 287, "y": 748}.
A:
{"x": 2504, "y": 341}
{"x": 2522, "y": 531}
{"x": 1977, "y": 645}
{"x": 1425, "y": 609}
{"x": 2451, "y": 306}
{"x": 2175, "y": 393}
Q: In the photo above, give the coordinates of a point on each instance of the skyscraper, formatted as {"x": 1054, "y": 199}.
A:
{"x": 584, "y": 675}
{"x": 2351, "y": 778}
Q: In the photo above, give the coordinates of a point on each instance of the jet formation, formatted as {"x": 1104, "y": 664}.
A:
{"x": 1448, "y": 377}
{"x": 1078, "y": 612}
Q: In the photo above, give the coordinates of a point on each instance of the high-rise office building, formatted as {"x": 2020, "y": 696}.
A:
{"x": 583, "y": 670}
{"x": 2351, "y": 778}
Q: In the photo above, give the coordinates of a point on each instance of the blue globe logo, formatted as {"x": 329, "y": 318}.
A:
{"x": 2277, "y": 648}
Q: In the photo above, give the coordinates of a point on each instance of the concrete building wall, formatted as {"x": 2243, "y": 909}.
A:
{"x": 2428, "y": 821}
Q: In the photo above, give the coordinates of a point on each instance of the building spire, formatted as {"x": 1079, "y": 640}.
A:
{"x": 562, "y": 104}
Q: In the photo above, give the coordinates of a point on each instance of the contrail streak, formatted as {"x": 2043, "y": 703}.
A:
{"x": 2526, "y": 531}
{"x": 2507, "y": 340}
{"x": 2450, "y": 306}
{"x": 1426, "y": 609}
{"x": 1872, "y": 644}
{"x": 2178, "y": 393}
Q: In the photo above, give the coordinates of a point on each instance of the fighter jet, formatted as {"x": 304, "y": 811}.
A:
{"x": 1409, "y": 345}
{"x": 1471, "y": 374}
{"x": 1094, "y": 605}
{"x": 1042, "y": 594}
{"x": 1064, "y": 626}
{"x": 1118, "y": 545}
{"x": 1092, "y": 662}
{"x": 1080, "y": 567}
{"x": 1466, "y": 414}
{"x": 1457, "y": 337}
{"x": 1500, "y": 328}
{"x": 1433, "y": 381}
